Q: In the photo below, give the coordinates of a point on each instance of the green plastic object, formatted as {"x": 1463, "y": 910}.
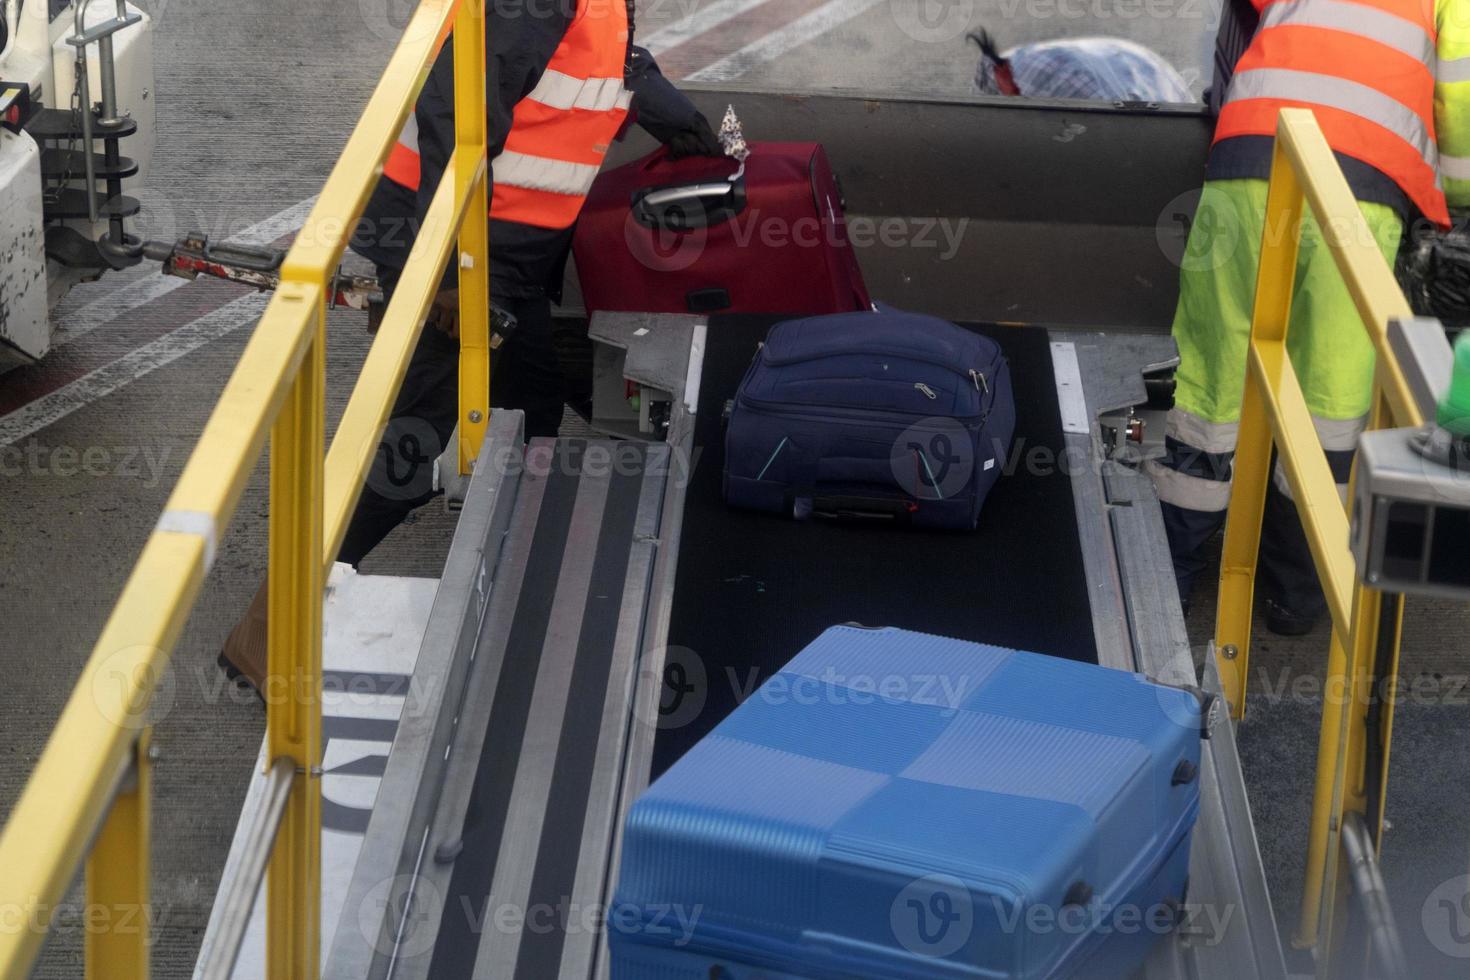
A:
{"x": 1454, "y": 409}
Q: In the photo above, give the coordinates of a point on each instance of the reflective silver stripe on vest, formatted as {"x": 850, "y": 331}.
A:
{"x": 1452, "y": 70}
{"x": 1339, "y": 435}
{"x": 543, "y": 174}
{"x": 1190, "y": 430}
{"x": 562, "y": 91}
{"x": 1455, "y": 168}
{"x": 409, "y": 137}
{"x": 1188, "y": 492}
{"x": 1354, "y": 18}
{"x": 1337, "y": 93}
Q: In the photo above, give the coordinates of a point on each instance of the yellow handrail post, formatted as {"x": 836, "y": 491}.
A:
{"x": 1270, "y": 318}
{"x": 118, "y": 879}
{"x": 470, "y": 136}
{"x": 1274, "y": 412}
{"x": 294, "y": 685}
{"x": 1346, "y": 787}
{"x": 1324, "y": 795}
{"x": 1343, "y": 760}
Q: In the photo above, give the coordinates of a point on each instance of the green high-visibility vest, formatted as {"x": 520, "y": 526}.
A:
{"x": 1452, "y": 99}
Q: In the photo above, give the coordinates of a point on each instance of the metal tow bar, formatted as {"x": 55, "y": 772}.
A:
{"x": 193, "y": 256}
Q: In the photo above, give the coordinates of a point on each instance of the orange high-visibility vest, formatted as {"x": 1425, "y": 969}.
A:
{"x": 560, "y": 131}
{"x": 1366, "y": 70}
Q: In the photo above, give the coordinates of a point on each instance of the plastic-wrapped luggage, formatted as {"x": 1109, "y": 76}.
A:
{"x": 1434, "y": 271}
{"x": 893, "y": 804}
{"x": 679, "y": 236}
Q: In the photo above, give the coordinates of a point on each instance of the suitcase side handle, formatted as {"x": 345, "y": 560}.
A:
{"x": 683, "y": 207}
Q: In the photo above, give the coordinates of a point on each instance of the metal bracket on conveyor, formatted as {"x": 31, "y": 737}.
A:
{"x": 529, "y": 727}
{"x": 641, "y": 364}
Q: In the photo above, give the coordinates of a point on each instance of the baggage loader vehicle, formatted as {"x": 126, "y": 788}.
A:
{"x": 602, "y": 610}
{"x": 76, "y": 138}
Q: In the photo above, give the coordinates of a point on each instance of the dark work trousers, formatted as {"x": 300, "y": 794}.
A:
{"x": 525, "y": 374}
{"x": 1285, "y": 573}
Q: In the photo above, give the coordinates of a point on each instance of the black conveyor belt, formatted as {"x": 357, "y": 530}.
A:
{"x": 751, "y": 589}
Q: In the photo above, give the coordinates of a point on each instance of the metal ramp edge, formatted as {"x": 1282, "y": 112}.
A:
{"x": 530, "y": 723}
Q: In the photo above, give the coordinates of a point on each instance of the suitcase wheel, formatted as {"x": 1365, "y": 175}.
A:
{"x": 1079, "y": 894}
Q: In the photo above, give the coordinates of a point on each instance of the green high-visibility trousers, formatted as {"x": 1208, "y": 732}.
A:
{"x": 1328, "y": 345}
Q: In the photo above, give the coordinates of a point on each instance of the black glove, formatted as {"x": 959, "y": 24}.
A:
{"x": 698, "y": 140}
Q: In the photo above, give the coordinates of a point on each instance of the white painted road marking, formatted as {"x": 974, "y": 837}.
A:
{"x": 695, "y": 24}
{"x": 102, "y": 382}
{"x": 780, "y": 41}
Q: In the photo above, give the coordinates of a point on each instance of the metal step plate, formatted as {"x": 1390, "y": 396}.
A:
{"x": 373, "y": 626}
{"x": 72, "y": 203}
{"x": 57, "y": 162}
{"x": 62, "y": 124}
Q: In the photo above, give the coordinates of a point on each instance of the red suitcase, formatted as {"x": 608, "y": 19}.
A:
{"x": 679, "y": 236}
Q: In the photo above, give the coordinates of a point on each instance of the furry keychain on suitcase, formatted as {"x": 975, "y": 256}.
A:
{"x": 881, "y": 413}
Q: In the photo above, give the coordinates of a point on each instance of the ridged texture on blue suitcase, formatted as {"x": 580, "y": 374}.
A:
{"x": 879, "y": 411}
{"x": 894, "y": 804}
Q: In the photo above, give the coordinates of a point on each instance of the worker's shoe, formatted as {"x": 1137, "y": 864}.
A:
{"x": 1288, "y": 622}
{"x": 244, "y": 658}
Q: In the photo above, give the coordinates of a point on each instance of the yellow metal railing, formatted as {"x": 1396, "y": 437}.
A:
{"x": 1274, "y": 412}
{"x": 90, "y": 788}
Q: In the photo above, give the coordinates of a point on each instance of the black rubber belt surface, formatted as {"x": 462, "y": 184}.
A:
{"x": 458, "y": 943}
{"x": 752, "y": 589}
{"x": 540, "y": 952}
{"x": 576, "y": 754}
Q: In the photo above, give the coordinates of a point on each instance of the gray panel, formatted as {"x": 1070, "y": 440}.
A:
{"x": 1073, "y": 210}
{"x": 657, "y": 345}
{"x": 652, "y": 349}
{"x": 1231, "y": 929}
{"x": 1115, "y": 366}
{"x": 1425, "y": 357}
{"x": 1061, "y": 162}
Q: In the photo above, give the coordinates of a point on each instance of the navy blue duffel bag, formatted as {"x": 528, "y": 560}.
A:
{"x": 880, "y": 413}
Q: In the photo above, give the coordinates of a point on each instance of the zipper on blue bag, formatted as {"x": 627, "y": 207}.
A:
{"x": 774, "y": 453}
